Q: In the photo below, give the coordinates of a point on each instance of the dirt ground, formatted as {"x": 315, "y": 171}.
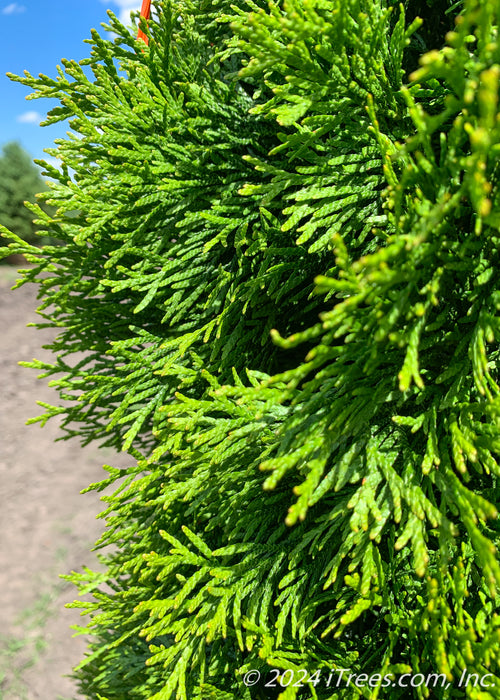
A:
{"x": 47, "y": 527}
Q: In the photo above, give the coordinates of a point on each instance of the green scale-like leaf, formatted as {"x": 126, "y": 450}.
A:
{"x": 280, "y": 236}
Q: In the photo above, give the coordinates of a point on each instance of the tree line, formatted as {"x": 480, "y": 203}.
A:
{"x": 20, "y": 182}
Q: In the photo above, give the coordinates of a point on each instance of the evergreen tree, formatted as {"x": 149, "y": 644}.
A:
{"x": 20, "y": 181}
{"x": 282, "y": 275}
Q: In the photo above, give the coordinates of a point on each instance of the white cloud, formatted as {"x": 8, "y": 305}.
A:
{"x": 30, "y": 117}
{"x": 124, "y": 16}
{"x": 125, "y": 7}
{"x": 13, "y": 9}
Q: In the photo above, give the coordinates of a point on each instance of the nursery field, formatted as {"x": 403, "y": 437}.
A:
{"x": 47, "y": 526}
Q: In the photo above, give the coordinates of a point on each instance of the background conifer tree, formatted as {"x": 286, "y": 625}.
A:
{"x": 20, "y": 181}
{"x": 285, "y": 263}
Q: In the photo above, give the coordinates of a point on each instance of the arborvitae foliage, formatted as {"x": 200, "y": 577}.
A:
{"x": 283, "y": 278}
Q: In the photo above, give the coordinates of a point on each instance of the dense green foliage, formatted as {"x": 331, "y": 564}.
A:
{"x": 20, "y": 182}
{"x": 283, "y": 277}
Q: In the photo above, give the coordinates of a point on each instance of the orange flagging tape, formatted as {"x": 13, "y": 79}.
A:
{"x": 145, "y": 12}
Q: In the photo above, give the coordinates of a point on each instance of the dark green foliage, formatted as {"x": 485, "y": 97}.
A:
{"x": 308, "y": 494}
{"x": 20, "y": 182}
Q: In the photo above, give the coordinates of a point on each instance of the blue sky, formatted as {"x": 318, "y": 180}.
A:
{"x": 36, "y": 35}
